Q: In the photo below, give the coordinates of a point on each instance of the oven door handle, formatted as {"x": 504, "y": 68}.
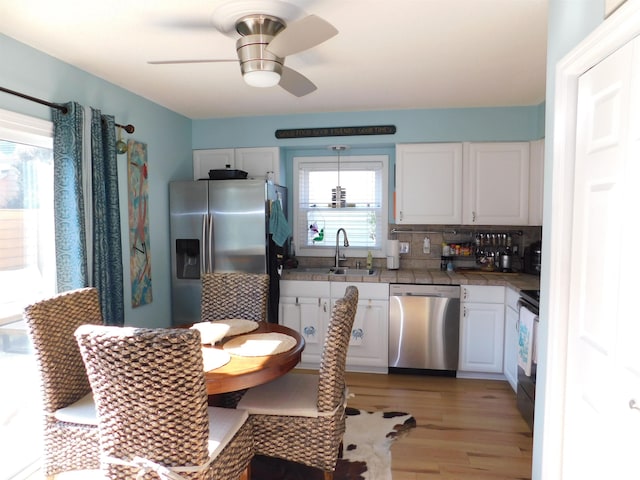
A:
{"x": 528, "y": 306}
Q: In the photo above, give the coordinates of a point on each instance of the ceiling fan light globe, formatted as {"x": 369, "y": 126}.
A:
{"x": 262, "y": 78}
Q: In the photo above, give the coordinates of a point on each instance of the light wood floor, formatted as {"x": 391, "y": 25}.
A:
{"x": 466, "y": 429}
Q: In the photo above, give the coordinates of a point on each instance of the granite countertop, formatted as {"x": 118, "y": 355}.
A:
{"x": 518, "y": 281}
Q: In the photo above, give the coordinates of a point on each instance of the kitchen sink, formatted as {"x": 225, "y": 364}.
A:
{"x": 360, "y": 272}
{"x": 319, "y": 270}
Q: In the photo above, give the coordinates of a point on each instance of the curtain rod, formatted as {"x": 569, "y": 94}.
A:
{"x": 127, "y": 128}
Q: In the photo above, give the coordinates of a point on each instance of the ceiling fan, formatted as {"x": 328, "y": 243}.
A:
{"x": 265, "y": 41}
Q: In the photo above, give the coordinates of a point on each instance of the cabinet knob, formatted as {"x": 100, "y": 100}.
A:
{"x": 633, "y": 404}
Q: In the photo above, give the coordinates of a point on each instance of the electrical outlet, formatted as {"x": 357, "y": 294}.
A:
{"x": 404, "y": 247}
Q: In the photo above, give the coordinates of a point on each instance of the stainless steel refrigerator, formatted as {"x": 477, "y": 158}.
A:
{"x": 221, "y": 226}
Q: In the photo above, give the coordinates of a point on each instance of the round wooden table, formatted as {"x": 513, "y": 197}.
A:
{"x": 245, "y": 372}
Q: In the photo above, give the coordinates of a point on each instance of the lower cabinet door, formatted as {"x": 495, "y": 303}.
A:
{"x": 368, "y": 343}
{"x": 309, "y": 316}
{"x": 481, "y": 337}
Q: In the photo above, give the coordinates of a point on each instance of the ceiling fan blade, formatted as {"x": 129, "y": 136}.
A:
{"x": 295, "y": 83}
{"x": 301, "y": 35}
{"x": 172, "y": 62}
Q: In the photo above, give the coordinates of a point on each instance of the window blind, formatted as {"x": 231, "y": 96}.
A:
{"x": 318, "y": 219}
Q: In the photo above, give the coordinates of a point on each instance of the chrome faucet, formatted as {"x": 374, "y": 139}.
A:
{"x": 346, "y": 244}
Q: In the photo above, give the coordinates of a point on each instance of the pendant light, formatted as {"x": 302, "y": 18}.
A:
{"x": 338, "y": 194}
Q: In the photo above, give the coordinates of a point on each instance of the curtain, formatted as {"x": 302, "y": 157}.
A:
{"x": 68, "y": 199}
{"x": 107, "y": 244}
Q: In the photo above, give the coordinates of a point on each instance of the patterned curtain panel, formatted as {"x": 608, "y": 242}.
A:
{"x": 107, "y": 246}
{"x": 68, "y": 201}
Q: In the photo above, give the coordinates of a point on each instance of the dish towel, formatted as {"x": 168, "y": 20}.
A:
{"x": 278, "y": 225}
{"x": 526, "y": 334}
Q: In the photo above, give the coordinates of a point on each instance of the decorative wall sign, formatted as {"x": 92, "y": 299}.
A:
{"x": 336, "y": 131}
{"x": 139, "y": 243}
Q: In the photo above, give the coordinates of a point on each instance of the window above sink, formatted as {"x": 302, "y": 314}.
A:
{"x": 365, "y": 214}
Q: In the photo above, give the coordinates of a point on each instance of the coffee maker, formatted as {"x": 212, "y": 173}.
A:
{"x": 533, "y": 258}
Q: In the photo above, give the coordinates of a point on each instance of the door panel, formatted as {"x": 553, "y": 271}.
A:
{"x": 594, "y": 410}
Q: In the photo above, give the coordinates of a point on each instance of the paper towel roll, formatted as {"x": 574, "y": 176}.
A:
{"x": 393, "y": 254}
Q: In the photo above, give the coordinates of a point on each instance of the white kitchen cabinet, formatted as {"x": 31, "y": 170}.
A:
{"x": 305, "y": 306}
{"x": 481, "y": 329}
{"x": 429, "y": 183}
{"x": 495, "y": 183}
{"x": 536, "y": 182}
{"x": 368, "y": 347}
{"x": 510, "y": 359}
{"x": 255, "y": 161}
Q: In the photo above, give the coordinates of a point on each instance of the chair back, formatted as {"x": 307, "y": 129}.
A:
{"x": 235, "y": 295}
{"x": 149, "y": 389}
{"x": 51, "y": 324}
{"x": 331, "y": 386}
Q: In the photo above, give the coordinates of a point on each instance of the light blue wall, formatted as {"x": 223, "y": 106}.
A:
{"x": 167, "y": 135}
{"x": 438, "y": 125}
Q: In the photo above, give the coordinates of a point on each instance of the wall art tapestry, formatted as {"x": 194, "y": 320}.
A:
{"x": 139, "y": 242}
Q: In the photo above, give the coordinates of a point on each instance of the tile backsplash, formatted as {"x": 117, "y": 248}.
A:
{"x": 521, "y": 237}
{"x": 415, "y": 259}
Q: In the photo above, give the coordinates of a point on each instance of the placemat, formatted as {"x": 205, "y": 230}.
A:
{"x": 212, "y": 332}
{"x": 237, "y": 326}
{"x": 260, "y": 344}
{"x": 214, "y": 358}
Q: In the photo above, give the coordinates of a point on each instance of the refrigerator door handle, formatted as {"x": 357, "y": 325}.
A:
{"x": 203, "y": 246}
{"x": 210, "y": 244}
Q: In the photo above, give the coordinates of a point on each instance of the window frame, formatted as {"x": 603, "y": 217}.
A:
{"x": 328, "y": 249}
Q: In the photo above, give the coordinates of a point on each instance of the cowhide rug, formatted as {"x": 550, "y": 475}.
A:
{"x": 366, "y": 450}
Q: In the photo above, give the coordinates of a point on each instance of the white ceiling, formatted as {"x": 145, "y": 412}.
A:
{"x": 388, "y": 54}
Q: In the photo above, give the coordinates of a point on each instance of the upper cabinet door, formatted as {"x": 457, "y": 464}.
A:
{"x": 536, "y": 180}
{"x": 216, "y": 159}
{"x": 429, "y": 183}
{"x": 496, "y": 183}
{"x": 259, "y": 161}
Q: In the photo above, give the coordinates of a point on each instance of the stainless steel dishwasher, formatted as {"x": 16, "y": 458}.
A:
{"x": 424, "y": 324}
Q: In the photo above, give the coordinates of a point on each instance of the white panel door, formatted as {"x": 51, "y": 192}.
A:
{"x": 603, "y": 368}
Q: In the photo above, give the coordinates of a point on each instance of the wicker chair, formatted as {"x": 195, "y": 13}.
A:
{"x": 70, "y": 423}
{"x": 235, "y": 295}
{"x": 151, "y": 399}
{"x": 300, "y": 417}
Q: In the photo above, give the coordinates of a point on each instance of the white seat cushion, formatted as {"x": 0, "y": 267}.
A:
{"x": 293, "y": 394}
{"x": 223, "y": 425}
{"x": 82, "y": 412}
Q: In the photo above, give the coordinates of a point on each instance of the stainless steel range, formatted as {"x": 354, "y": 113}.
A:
{"x": 526, "y": 394}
